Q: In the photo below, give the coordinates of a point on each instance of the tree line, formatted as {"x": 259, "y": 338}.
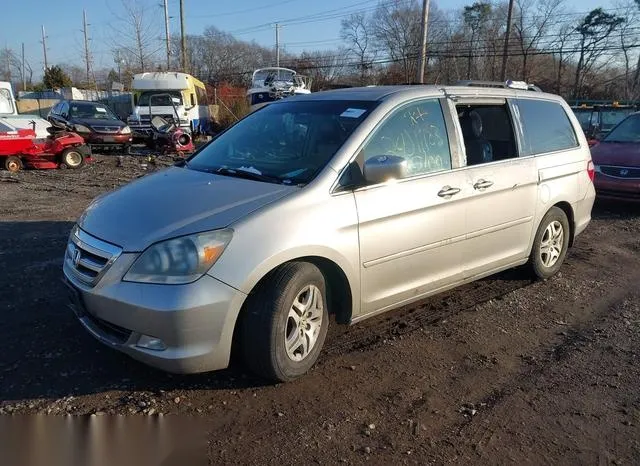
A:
{"x": 578, "y": 54}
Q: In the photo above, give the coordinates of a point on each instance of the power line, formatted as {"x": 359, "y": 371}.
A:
{"x": 246, "y": 10}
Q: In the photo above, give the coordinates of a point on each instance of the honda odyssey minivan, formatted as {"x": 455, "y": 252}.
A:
{"x": 348, "y": 202}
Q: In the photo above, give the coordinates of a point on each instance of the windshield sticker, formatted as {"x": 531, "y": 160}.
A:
{"x": 101, "y": 110}
{"x": 353, "y": 113}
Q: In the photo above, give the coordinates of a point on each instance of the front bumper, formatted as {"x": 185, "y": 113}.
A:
{"x": 98, "y": 139}
{"x": 608, "y": 187}
{"x": 194, "y": 321}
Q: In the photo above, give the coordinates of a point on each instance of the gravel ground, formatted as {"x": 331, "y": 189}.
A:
{"x": 504, "y": 370}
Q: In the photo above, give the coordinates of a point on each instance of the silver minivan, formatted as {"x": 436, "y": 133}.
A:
{"x": 348, "y": 202}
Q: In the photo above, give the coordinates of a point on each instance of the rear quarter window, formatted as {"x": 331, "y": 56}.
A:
{"x": 546, "y": 127}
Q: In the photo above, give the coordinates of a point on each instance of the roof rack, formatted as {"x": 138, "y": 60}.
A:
{"x": 500, "y": 85}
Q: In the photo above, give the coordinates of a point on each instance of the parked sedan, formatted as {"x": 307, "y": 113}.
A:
{"x": 95, "y": 122}
{"x": 617, "y": 161}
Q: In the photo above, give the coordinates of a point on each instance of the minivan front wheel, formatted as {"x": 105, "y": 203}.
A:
{"x": 286, "y": 322}
{"x": 550, "y": 244}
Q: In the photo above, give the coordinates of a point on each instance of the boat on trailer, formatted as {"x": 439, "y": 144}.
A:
{"x": 275, "y": 83}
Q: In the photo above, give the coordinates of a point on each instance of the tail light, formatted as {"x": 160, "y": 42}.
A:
{"x": 591, "y": 170}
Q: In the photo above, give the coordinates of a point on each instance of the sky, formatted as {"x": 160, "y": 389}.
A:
{"x": 308, "y": 24}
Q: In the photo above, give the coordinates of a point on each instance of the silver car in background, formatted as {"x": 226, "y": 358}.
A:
{"x": 348, "y": 202}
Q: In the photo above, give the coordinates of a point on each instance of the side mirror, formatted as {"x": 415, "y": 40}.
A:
{"x": 383, "y": 168}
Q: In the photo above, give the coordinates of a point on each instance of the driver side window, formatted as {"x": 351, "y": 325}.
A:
{"x": 416, "y": 132}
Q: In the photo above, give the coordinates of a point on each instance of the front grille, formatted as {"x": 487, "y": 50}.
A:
{"x": 88, "y": 257}
{"x": 620, "y": 172}
{"x": 107, "y": 129}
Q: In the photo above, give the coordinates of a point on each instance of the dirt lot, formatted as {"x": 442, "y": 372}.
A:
{"x": 501, "y": 371}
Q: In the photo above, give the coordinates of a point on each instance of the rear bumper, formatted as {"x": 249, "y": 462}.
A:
{"x": 582, "y": 210}
{"x": 195, "y": 322}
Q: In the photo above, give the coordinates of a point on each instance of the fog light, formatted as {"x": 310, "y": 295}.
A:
{"x": 152, "y": 343}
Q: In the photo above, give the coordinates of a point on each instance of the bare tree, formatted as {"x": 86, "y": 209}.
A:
{"x": 11, "y": 67}
{"x": 355, "y": 31}
{"x": 563, "y": 41}
{"x": 533, "y": 21}
{"x": 137, "y": 36}
{"x": 629, "y": 41}
{"x": 595, "y": 29}
{"x": 324, "y": 67}
{"x": 396, "y": 29}
{"x": 475, "y": 18}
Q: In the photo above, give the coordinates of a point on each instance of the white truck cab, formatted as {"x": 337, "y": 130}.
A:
{"x": 9, "y": 113}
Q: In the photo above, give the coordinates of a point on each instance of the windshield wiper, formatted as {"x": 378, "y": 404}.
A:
{"x": 246, "y": 174}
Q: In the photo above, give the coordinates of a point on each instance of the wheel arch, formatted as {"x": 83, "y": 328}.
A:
{"x": 339, "y": 290}
{"x": 568, "y": 210}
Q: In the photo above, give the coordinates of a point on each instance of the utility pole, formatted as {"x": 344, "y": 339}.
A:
{"x": 183, "y": 38}
{"x": 86, "y": 44}
{"x": 503, "y": 72}
{"x": 7, "y": 55}
{"x": 166, "y": 32}
{"x": 118, "y": 59}
{"x": 423, "y": 44}
{"x": 278, "y": 46}
{"x": 24, "y": 71}
{"x": 44, "y": 49}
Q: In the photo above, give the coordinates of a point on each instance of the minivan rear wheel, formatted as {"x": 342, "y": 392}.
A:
{"x": 286, "y": 322}
{"x": 550, "y": 244}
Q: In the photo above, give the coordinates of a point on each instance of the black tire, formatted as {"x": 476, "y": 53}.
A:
{"x": 13, "y": 164}
{"x": 537, "y": 259}
{"x": 72, "y": 158}
{"x": 266, "y": 323}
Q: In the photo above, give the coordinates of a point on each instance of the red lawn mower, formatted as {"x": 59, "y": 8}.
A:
{"x": 62, "y": 149}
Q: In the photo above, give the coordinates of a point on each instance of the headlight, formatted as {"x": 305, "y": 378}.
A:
{"x": 81, "y": 128}
{"x": 180, "y": 260}
{"x": 125, "y": 130}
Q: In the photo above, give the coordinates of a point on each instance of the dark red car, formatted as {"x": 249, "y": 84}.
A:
{"x": 617, "y": 161}
{"x": 95, "y": 122}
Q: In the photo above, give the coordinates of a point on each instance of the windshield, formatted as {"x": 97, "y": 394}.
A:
{"x": 90, "y": 111}
{"x": 6, "y": 106}
{"x": 584, "y": 118}
{"x": 278, "y": 75}
{"x": 627, "y": 131}
{"x": 610, "y": 118}
{"x": 288, "y": 141}
{"x": 160, "y": 99}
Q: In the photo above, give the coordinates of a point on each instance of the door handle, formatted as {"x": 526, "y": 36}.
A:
{"x": 482, "y": 184}
{"x": 448, "y": 191}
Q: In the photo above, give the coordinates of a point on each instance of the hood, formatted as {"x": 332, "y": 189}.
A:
{"x": 174, "y": 202}
{"x": 91, "y": 122}
{"x": 616, "y": 153}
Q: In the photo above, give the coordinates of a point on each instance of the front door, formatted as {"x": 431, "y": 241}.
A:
{"x": 411, "y": 229}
